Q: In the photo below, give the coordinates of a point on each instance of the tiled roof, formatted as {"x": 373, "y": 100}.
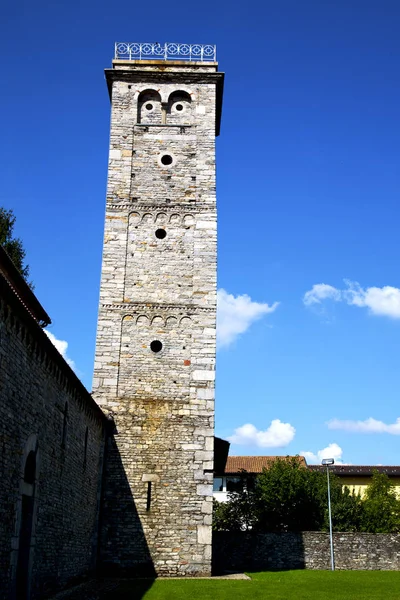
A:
{"x": 21, "y": 289}
{"x": 254, "y": 464}
{"x": 357, "y": 470}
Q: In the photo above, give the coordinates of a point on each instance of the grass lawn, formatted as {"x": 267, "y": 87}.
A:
{"x": 282, "y": 585}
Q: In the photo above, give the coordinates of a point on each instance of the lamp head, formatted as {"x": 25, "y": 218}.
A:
{"x": 328, "y": 461}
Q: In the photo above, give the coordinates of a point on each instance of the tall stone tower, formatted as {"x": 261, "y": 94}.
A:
{"x": 155, "y": 352}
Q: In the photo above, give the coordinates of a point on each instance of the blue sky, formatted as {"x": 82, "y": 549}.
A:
{"x": 308, "y": 194}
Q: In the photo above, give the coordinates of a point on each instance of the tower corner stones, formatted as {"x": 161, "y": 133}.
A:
{"x": 155, "y": 350}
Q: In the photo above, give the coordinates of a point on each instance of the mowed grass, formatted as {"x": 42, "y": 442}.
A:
{"x": 282, "y": 585}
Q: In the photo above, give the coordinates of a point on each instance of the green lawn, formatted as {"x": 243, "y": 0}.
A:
{"x": 282, "y": 585}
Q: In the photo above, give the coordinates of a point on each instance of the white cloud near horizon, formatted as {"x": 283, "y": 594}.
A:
{"x": 331, "y": 451}
{"x": 277, "y": 435}
{"x": 235, "y": 314}
{"x": 61, "y": 346}
{"x": 384, "y": 301}
{"x": 367, "y": 426}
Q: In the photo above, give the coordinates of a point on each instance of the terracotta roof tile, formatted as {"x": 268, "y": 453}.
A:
{"x": 21, "y": 289}
{"x": 254, "y": 464}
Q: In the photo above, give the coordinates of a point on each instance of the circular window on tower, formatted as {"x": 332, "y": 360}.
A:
{"x": 166, "y": 160}
{"x": 149, "y": 106}
{"x": 161, "y": 234}
{"x": 156, "y": 346}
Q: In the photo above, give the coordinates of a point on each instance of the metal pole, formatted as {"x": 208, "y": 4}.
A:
{"x": 330, "y": 521}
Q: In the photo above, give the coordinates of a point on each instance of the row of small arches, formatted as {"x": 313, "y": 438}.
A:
{"x": 169, "y": 322}
{"x": 175, "y": 219}
{"x": 176, "y": 96}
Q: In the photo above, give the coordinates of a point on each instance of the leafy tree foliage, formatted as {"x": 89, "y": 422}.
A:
{"x": 381, "y": 506}
{"x": 347, "y": 508}
{"x": 238, "y": 514}
{"x": 290, "y": 497}
{"x": 13, "y": 246}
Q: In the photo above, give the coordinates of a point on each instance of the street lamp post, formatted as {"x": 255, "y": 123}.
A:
{"x": 328, "y": 462}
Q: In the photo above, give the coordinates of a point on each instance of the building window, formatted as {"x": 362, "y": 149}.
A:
{"x": 30, "y": 468}
{"x": 218, "y": 484}
{"x": 156, "y": 346}
{"x": 161, "y": 234}
{"x": 234, "y": 484}
{"x": 250, "y": 482}
{"x": 148, "y": 499}
{"x": 166, "y": 159}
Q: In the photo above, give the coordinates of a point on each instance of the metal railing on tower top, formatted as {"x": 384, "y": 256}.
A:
{"x": 169, "y": 51}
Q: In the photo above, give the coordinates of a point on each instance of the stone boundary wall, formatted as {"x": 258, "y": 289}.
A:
{"x": 239, "y": 551}
{"x": 45, "y": 412}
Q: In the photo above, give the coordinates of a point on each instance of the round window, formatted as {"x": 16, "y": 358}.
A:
{"x": 161, "y": 234}
{"x": 179, "y": 107}
{"x": 166, "y": 159}
{"x": 156, "y": 346}
{"x": 149, "y": 106}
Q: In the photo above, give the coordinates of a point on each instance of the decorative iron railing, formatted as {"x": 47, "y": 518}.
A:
{"x": 171, "y": 51}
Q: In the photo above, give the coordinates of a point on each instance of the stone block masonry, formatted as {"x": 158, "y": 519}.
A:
{"x": 238, "y": 551}
{"x": 155, "y": 350}
{"x": 51, "y": 440}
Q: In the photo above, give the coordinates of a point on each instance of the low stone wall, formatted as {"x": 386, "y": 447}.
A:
{"x": 239, "y": 551}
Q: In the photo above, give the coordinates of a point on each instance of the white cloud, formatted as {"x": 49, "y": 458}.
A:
{"x": 331, "y": 451}
{"x": 380, "y": 301}
{"x": 277, "y": 435}
{"x": 368, "y": 426}
{"x": 321, "y": 291}
{"x": 61, "y": 346}
{"x": 235, "y": 314}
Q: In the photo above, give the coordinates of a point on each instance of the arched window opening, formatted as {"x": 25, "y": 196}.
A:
{"x": 179, "y": 110}
{"x": 149, "y": 108}
{"x": 30, "y": 468}
{"x": 25, "y": 519}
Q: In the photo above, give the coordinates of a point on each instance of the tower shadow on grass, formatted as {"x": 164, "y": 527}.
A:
{"x": 129, "y": 590}
{"x": 123, "y": 550}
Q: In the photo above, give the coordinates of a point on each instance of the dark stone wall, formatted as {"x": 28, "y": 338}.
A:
{"x": 240, "y": 551}
{"x": 35, "y": 385}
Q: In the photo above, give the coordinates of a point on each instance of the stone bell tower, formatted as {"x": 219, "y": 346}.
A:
{"x": 155, "y": 351}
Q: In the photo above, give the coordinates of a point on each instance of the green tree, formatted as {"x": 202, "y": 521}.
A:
{"x": 237, "y": 514}
{"x": 347, "y": 508}
{"x": 381, "y": 506}
{"x": 225, "y": 517}
{"x": 13, "y": 246}
{"x": 290, "y": 497}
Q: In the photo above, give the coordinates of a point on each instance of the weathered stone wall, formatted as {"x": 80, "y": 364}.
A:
{"x": 158, "y": 501}
{"x": 35, "y": 387}
{"x": 306, "y": 550}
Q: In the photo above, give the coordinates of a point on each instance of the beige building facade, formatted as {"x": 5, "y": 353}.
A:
{"x": 358, "y": 477}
